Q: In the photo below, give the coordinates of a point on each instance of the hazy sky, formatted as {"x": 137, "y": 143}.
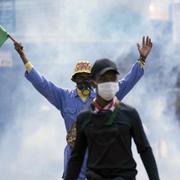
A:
{"x": 55, "y": 35}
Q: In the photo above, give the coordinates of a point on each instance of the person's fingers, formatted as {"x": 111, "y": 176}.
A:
{"x": 21, "y": 46}
{"x": 147, "y": 40}
{"x": 143, "y": 41}
{"x": 138, "y": 46}
{"x": 18, "y": 46}
{"x": 150, "y": 43}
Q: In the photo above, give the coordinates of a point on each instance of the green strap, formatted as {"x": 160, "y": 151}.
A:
{"x": 111, "y": 119}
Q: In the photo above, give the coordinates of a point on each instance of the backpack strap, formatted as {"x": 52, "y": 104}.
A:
{"x": 113, "y": 115}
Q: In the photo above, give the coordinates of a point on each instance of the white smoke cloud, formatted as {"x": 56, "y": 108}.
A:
{"x": 55, "y": 35}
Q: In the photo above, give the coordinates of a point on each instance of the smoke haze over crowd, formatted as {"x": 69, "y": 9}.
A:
{"x": 55, "y": 35}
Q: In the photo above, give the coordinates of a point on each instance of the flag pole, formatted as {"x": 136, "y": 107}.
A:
{"x": 14, "y": 40}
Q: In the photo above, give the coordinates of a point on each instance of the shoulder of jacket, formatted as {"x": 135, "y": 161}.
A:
{"x": 126, "y": 107}
{"x": 83, "y": 116}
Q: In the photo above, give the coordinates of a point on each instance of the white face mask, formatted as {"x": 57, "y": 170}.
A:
{"x": 108, "y": 90}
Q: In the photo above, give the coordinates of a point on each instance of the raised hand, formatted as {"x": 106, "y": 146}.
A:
{"x": 145, "y": 48}
{"x": 20, "y": 50}
{"x": 18, "y": 47}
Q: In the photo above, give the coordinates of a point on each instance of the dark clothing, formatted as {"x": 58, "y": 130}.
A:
{"x": 70, "y": 103}
{"x": 93, "y": 176}
{"x": 109, "y": 145}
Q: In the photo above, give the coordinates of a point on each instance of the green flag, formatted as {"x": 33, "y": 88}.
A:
{"x": 3, "y": 35}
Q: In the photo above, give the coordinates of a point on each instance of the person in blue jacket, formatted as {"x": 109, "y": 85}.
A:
{"x": 71, "y": 102}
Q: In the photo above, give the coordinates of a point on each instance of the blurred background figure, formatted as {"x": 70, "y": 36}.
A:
{"x": 177, "y": 102}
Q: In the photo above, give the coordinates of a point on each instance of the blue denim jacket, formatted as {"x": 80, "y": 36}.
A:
{"x": 70, "y": 104}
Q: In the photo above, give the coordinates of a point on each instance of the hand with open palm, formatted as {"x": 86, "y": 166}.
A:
{"x": 145, "y": 48}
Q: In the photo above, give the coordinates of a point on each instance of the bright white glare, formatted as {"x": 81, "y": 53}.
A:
{"x": 159, "y": 10}
{"x": 152, "y": 8}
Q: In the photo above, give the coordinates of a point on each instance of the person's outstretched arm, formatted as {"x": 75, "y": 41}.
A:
{"x": 50, "y": 91}
{"x": 137, "y": 71}
{"x": 143, "y": 147}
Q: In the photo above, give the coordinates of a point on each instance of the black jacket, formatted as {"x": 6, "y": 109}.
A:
{"x": 109, "y": 144}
